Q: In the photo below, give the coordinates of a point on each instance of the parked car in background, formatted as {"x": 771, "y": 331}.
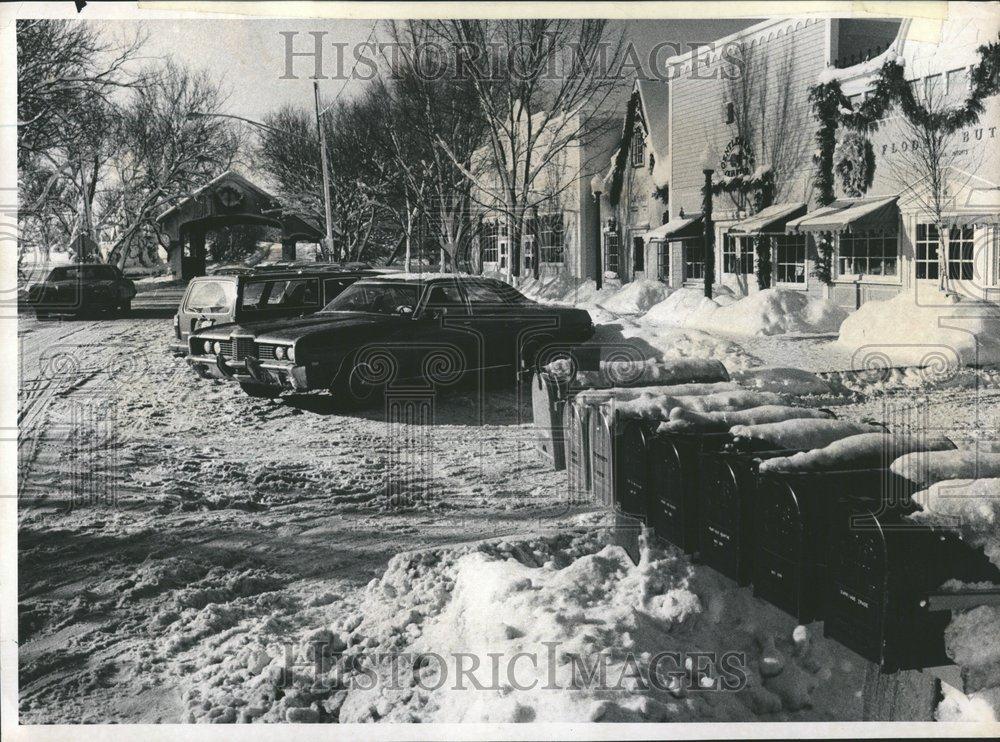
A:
{"x": 80, "y": 289}
{"x": 241, "y": 294}
{"x": 405, "y": 329}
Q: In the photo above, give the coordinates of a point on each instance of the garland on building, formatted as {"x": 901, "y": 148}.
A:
{"x": 832, "y": 108}
{"x": 759, "y": 185}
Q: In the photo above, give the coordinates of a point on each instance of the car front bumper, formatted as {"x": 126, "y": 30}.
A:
{"x": 279, "y": 374}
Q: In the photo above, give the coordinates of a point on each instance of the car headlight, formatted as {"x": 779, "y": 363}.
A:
{"x": 208, "y": 346}
{"x": 279, "y": 352}
{"x": 217, "y": 347}
{"x": 291, "y": 353}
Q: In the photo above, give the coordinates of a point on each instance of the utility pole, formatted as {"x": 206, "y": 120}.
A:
{"x": 88, "y": 226}
{"x": 326, "y": 174}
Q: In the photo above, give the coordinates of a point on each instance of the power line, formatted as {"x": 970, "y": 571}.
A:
{"x": 350, "y": 77}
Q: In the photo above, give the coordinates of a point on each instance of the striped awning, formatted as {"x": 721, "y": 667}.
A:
{"x": 678, "y": 229}
{"x": 849, "y": 215}
{"x": 771, "y": 219}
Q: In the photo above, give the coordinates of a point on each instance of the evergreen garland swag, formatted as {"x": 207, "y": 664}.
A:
{"x": 831, "y": 108}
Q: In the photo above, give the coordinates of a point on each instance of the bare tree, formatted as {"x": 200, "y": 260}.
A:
{"x": 932, "y": 167}
{"x": 537, "y": 83}
{"x": 768, "y": 121}
{"x": 168, "y": 148}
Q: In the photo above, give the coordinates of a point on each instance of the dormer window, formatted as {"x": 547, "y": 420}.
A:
{"x": 638, "y": 147}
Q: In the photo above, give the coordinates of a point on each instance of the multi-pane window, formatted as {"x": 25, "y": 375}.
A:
{"x": 790, "y": 257}
{"x": 612, "y": 246}
{"x": 638, "y": 254}
{"x": 927, "y": 243}
{"x": 869, "y": 253}
{"x": 663, "y": 261}
{"x": 552, "y": 238}
{"x": 491, "y": 241}
{"x": 694, "y": 259}
{"x": 638, "y": 146}
{"x": 737, "y": 255}
{"x": 960, "y": 253}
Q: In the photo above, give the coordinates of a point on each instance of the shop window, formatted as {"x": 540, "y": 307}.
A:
{"x": 611, "y": 248}
{"x": 638, "y": 147}
{"x": 927, "y": 242}
{"x": 960, "y": 253}
{"x": 638, "y": 254}
{"x": 552, "y": 238}
{"x": 869, "y": 254}
{"x": 790, "y": 258}
{"x": 737, "y": 255}
{"x": 694, "y": 259}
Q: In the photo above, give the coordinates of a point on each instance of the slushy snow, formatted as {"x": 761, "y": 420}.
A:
{"x": 687, "y": 421}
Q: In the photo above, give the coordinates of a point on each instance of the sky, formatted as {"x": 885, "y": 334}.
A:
{"x": 248, "y": 56}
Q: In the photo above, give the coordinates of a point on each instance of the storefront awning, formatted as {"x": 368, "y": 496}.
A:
{"x": 771, "y": 219}
{"x": 678, "y": 229}
{"x": 849, "y": 215}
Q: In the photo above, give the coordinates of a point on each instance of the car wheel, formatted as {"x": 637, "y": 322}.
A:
{"x": 351, "y": 391}
{"x": 261, "y": 391}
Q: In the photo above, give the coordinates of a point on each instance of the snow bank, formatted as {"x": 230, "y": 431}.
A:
{"x": 937, "y": 466}
{"x": 855, "y": 451}
{"x": 635, "y": 297}
{"x": 773, "y": 311}
{"x": 925, "y": 331}
{"x": 802, "y": 434}
{"x": 550, "y": 618}
{"x": 687, "y": 421}
{"x": 971, "y": 505}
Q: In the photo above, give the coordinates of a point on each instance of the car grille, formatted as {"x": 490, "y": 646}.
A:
{"x": 242, "y": 347}
{"x": 226, "y": 348}
{"x": 266, "y": 352}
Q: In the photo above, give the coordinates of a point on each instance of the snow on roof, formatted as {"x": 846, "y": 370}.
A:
{"x": 768, "y": 219}
{"x": 672, "y": 227}
{"x": 227, "y": 175}
{"x": 654, "y": 95}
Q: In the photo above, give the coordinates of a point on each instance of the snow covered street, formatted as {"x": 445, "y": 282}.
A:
{"x": 181, "y": 546}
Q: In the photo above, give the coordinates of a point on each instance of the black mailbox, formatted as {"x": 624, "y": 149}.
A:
{"x": 883, "y": 592}
{"x": 727, "y": 485}
{"x": 794, "y": 520}
{"x": 673, "y": 491}
{"x": 632, "y": 466}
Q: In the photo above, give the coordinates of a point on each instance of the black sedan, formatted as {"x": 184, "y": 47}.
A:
{"x": 82, "y": 288}
{"x": 404, "y": 331}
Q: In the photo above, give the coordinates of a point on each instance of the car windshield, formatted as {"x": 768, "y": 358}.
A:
{"x": 284, "y": 293}
{"x": 211, "y": 297}
{"x": 82, "y": 272}
{"x": 381, "y": 298}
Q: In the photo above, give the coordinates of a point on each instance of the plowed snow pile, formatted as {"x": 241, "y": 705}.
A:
{"x": 548, "y": 628}
{"x": 770, "y": 312}
{"x": 929, "y": 331}
{"x": 635, "y": 297}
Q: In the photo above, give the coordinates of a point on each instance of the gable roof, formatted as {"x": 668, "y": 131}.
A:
{"x": 218, "y": 179}
{"x": 654, "y": 96}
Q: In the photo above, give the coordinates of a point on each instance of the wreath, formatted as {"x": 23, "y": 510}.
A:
{"x": 854, "y": 162}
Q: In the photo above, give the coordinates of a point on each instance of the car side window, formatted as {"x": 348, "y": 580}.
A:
{"x": 298, "y": 292}
{"x": 446, "y": 298}
{"x": 252, "y": 294}
{"x": 333, "y": 287}
{"x": 483, "y": 293}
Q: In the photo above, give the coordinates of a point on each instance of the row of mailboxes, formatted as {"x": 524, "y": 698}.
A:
{"x": 793, "y": 535}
